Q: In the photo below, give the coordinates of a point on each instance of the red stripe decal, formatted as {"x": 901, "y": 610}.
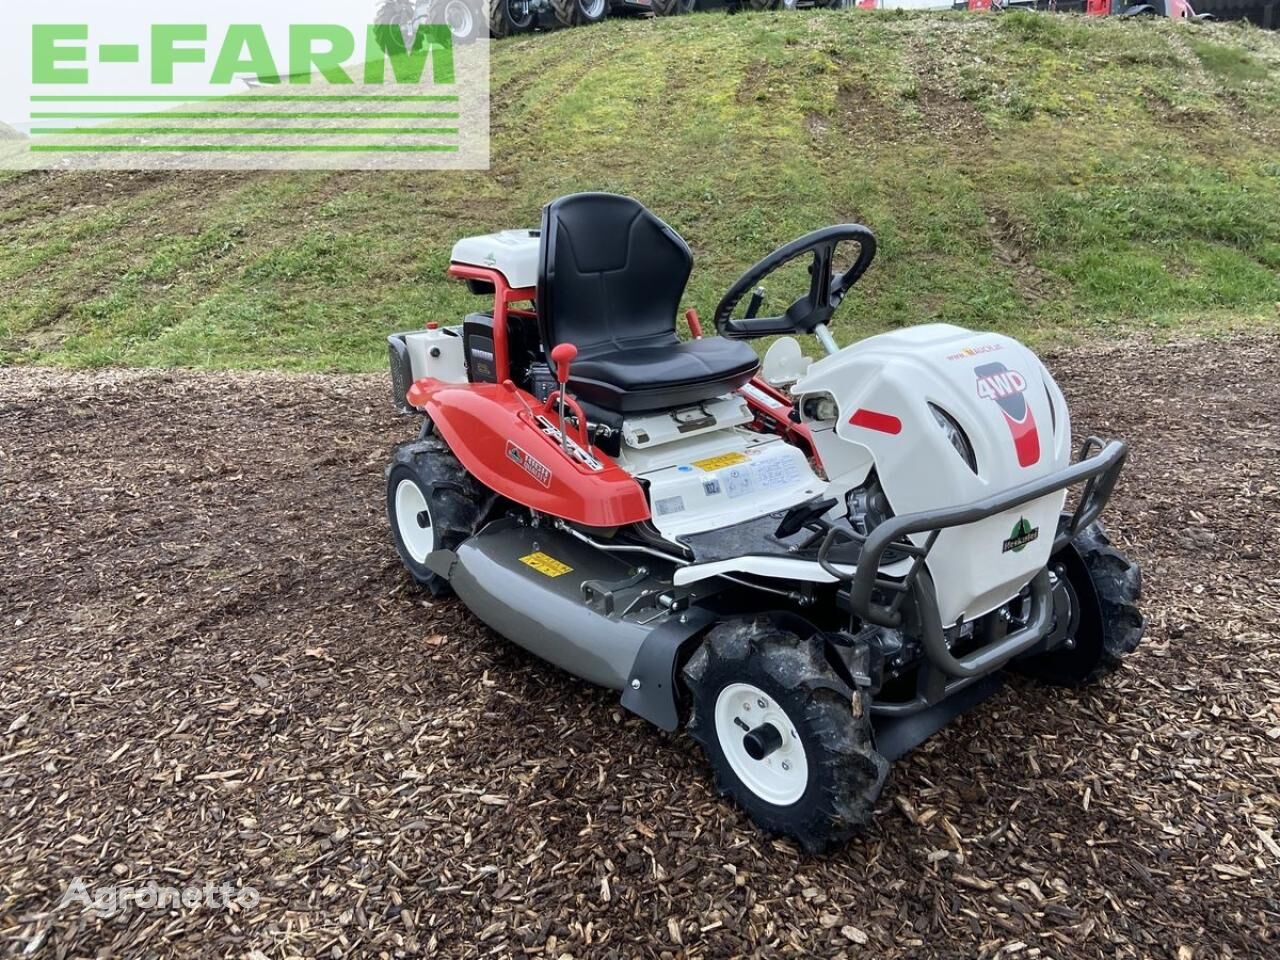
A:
{"x": 884, "y": 422}
{"x": 1026, "y": 439}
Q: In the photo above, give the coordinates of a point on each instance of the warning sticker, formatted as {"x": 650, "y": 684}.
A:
{"x": 717, "y": 463}
{"x": 737, "y": 482}
{"x": 776, "y": 472}
{"x": 669, "y": 505}
{"x": 758, "y": 395}
{"x": 545, "y": 565}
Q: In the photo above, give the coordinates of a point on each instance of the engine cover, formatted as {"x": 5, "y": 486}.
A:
{"x": 513, "y": 253}
{"x": 1012, "y": 416}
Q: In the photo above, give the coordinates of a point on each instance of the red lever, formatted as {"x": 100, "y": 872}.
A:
{"x": 695, "y": 325}
{"x": 562, "y": 356}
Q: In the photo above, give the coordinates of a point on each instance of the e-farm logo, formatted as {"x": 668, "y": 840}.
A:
{"x": 285, "y": 84}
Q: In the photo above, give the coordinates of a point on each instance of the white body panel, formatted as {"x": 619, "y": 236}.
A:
{"x": 721, "y": 478}
{"x": 646, "y": 431}
{"x": 995, "y": 390}
{"x": 999, "y": 394}
{"x": 783, "y": 568}
{"x": 513, "y": 253}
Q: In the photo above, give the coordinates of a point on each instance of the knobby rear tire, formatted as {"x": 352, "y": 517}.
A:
{"x": 502, "y": 23}
{"x": 1106, "y": 586}
{"x": 573, "y": 13}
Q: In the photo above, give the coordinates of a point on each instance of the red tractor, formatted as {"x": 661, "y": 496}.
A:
{"x": 1178, "y": 9}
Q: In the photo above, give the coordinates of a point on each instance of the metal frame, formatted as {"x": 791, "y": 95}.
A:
{"x": 1099, "y": 473}
{"x": 503, "y": 296}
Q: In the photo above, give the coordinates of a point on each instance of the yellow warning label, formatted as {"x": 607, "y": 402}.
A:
{"x": 716, "y": 463}
{"x": 547, "y": 566}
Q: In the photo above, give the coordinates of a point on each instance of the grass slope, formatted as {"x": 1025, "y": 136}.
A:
{"x": 8, "y": 133}
{"x": 1042, "y": 174}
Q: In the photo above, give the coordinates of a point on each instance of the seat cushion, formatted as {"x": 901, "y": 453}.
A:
{"x": 655, "y": 377}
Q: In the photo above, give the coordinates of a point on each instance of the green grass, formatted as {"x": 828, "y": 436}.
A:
{"x": 1236, "y": 67}
{"x": 1050, "y": 176}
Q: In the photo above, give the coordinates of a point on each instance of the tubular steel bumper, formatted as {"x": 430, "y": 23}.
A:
{"x": 1098, "y": 468}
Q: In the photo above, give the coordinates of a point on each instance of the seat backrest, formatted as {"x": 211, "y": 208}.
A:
{"x": 610, "y": 274}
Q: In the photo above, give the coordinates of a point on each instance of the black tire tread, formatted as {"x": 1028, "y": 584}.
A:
{"x": 568, "y": 13}
{"x": 856, "y": 772}
{"x": 455, "y": 494}
{"x": 500, "y": 24}
{"x": 1118, "y": 582}
{"x": 477, "y": 28}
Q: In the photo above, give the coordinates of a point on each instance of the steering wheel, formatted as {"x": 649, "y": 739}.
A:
{"x": 826, "y": 287}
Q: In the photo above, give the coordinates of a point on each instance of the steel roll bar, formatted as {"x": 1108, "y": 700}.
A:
{"x": 1098, "y": 470}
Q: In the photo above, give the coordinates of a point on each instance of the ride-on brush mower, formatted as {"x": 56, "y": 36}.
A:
{"x": 817, "y": 565}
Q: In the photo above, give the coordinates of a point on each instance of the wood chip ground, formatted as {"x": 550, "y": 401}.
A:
{"x": 212, "y": 668}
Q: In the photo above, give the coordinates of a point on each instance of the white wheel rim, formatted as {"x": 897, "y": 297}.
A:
{"x": 418, "y": 539}
{"x": 781, "y": 777}
{"x": 524, "y": 18}
{"x": 458, "y": 17}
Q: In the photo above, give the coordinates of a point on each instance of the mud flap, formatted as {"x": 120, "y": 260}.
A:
{"x": 896, "y": 736}
{"x": 440, "y": 562}
{"x": 651, "y": 690}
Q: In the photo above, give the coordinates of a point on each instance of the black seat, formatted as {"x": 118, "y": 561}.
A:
{"x": 610, "y": 279}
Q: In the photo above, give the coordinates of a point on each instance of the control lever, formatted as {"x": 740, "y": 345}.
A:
{"x": 695, "y": 325}
{"x": 753, "y": 305}
{"x": 801, "y": 515}
{"x": 563, "y": 355}
{"x": 510, "y": 387}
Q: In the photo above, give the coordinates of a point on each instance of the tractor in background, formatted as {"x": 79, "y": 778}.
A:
{"x": 1176, "y": 9}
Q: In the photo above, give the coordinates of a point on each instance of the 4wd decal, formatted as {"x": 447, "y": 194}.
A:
{"x": 1022, "y": 534}
{"x": 1006, "y": 387}
{"x": 534, "y": 468}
